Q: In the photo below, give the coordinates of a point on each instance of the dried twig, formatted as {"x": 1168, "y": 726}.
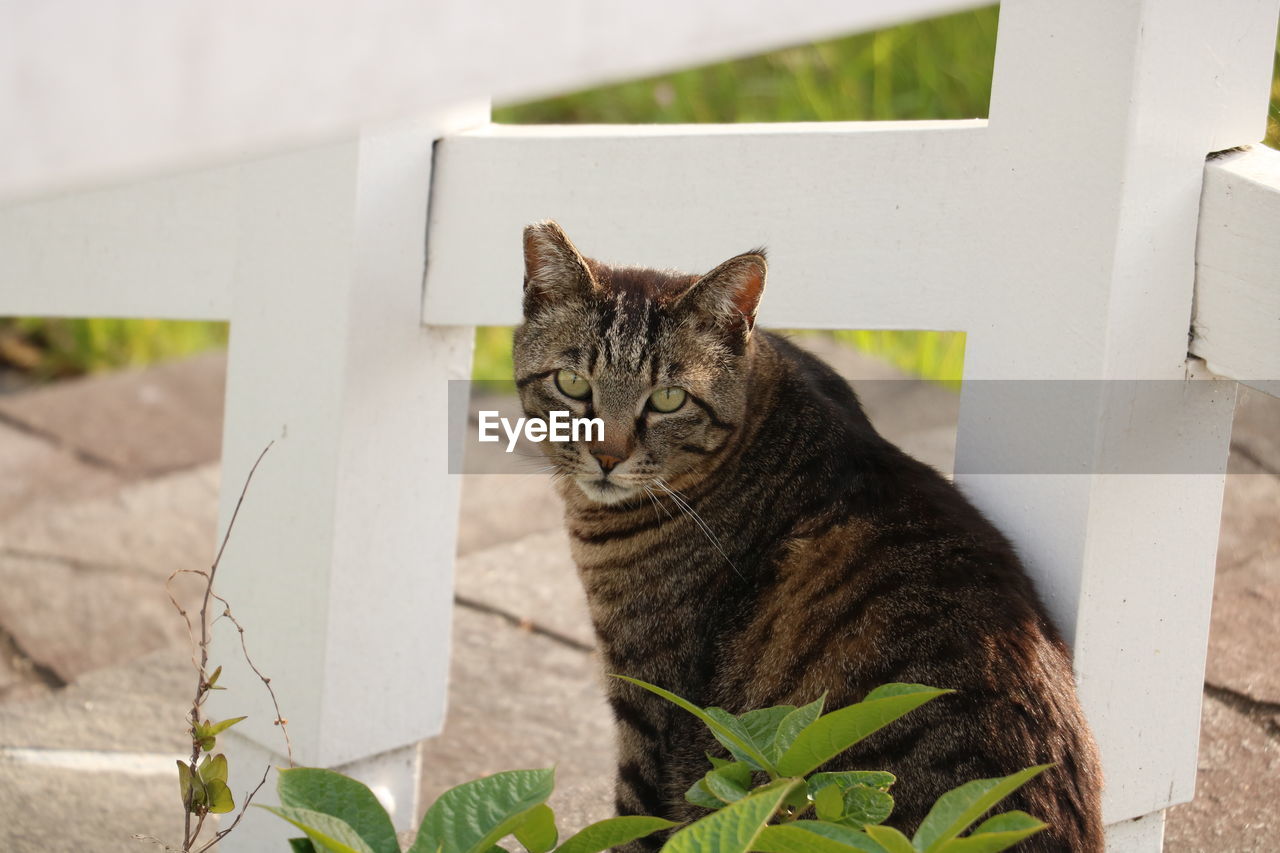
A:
{"x": 266, "y": 682}
{"x": 203, "y": 687}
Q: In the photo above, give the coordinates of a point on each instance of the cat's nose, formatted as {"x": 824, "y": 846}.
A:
{"x": 607, "y": 461}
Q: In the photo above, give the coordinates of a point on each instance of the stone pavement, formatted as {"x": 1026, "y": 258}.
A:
{"x": 109, "y": 484}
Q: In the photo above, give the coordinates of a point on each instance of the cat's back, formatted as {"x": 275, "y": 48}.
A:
{"x": 890, "y": 574}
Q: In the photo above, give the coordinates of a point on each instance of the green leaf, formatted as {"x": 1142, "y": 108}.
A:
{"x": 220, "y": 801}
{"x": 762, "y": 725}
{"x": 737, "y": 771}
{"x": 473, "y": 816}
{"x": 890, "y": 839}
{"x": 957, "y": 809}
{"x": 213, "y": 679}
{"x": 811, "y": 836}
{"x": 848, "y": 778}
{"x": 897, "y": 688}
{"x": 1014, "y": 821}
{"x": 185, "y": 787}
{"x": 734, "y": 828}
{"x": 996, "y": 833}
{"x": 727, "y": 782}
{"x": 538, "y": 832}
{"x": 794, "y": 723}
{"x": 613, "y": 832}
{"x": 718, "y": 762}
{"x": 343, "y": 797}
{"x": 728, "y": 734}
{"x": 202, "y": 733}
{"x": 700, "y": 795}
{"x": 798, "y": 800}
{"x": 833, "y": 733}
{"x": 325, "y": 831}
{"x": 865, "y": 806}
{"x": 730, "y": 731}
{"x": 220, "y": 727}
{"x": 302, "y": 845}
{"x": 828, "y": 803}
{"x": 213, "y": 767}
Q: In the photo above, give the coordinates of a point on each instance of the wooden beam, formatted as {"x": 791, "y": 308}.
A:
{"x": 106, "y": 91}
{"x": 1235, "y": 326}
{"x": 869, "y": 224}
{"x": 166, "y": 247}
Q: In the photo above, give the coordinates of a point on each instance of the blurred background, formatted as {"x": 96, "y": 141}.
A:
{"x": 935, "y": 69}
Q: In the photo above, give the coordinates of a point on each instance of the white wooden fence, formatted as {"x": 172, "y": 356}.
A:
{"x": 1072, "y": 236}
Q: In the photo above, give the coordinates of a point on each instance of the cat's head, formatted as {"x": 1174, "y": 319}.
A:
{"x": 661, "y": 357}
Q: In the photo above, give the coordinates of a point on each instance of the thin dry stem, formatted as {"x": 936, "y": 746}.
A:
{"x": 217, "y": 836}
{"x": 190, "y": 836}
{"x": 266, "y": 682}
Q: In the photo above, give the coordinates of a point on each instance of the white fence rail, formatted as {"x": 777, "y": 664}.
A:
{"x": 1236, "y": 324}
{"x": 102, "y": 91}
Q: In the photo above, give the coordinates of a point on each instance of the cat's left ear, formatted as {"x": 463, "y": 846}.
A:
{"x": 554, "y": 269}
{"x": 730, "y": 293}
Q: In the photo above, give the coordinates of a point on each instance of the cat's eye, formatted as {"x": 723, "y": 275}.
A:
{"x": 573, "y": 385}
{"x": 667, "y": 399}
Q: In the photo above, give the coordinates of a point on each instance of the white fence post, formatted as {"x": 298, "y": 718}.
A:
{"x": 1103, "y": 112}
{"x": 340, "y": 564}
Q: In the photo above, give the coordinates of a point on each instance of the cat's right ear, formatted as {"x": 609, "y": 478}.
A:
{"x": 554, "y": 270}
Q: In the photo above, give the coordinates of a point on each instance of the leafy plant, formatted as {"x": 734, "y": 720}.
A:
{"x": 793, "y": 810}
{"x": 339, "y": 814}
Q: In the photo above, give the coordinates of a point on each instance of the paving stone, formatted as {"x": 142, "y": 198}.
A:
{"x": 19, "y": 678}
{"x": 153, "y": 526}
{"x": 11, "y": 667}
{"x": 1245, "y": 624}
{"x": 103, "y": 720}
{"x": 499, "y": 508}
{"x": 519, "y": 700}
{"x": 1256, "y": 427}
{"x": 32, "y": 690}
{"x": 138, "y": 706}
{"x": 1237, "y": 789}
{"x": 49, "y": 810}
{"x": 1250, "y": 515}
{"x": 34, "y": 471}
{"x": 139, "y": 421}
{"x": 74, "y": 620}
{"x": 532, "y": 579}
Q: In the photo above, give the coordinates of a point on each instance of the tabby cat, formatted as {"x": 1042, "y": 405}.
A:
{"x": 747, "y": 539}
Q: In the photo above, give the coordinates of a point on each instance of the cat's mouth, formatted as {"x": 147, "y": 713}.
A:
{"x": 605, "y": 491}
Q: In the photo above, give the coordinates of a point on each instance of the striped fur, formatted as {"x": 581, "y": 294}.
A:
{"x": 764, "y": 545}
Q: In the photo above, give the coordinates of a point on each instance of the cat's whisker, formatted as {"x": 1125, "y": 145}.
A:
{"x": 656, "y": 504}
{"x": 649, "y": 494}
{"x": 684, "y": 506}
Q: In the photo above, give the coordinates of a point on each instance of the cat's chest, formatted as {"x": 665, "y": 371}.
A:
{"x": 657, "y": 594}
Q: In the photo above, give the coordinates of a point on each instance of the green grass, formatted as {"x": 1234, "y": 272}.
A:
{"x": 51, "y": 348}
{"x": 1273, "y": 109}
{"x": 940, "y": 68}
